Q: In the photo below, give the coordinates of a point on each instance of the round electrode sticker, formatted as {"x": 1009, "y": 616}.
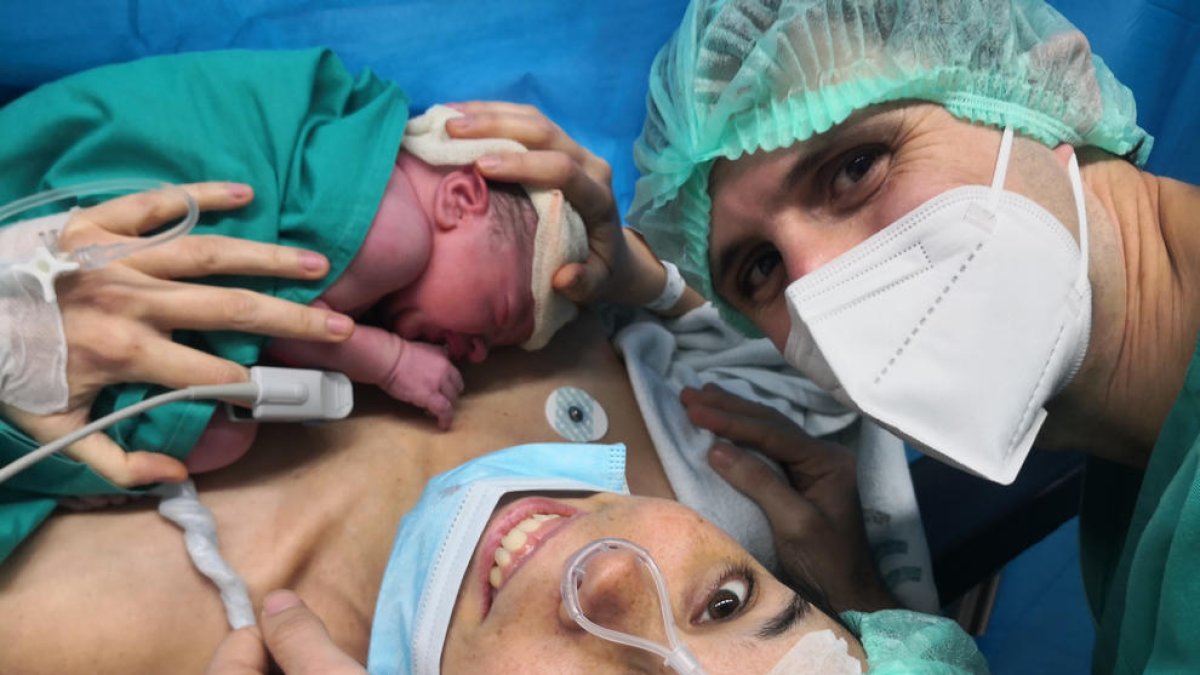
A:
{"x": 575, "y": 415}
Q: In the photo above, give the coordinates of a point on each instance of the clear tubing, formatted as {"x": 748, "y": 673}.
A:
{"x": 675, "y": 656}
{"x": 98, "y": 255}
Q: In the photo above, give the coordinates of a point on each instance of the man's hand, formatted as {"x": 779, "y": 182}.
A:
{"x": 290, "y": 634}
{"x": 816, "y": 518}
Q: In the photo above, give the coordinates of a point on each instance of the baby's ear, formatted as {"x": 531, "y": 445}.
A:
{"x": 461, "y": 194}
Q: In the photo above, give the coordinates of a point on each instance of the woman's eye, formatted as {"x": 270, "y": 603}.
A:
{"x": 727, "y": 600}
{"x": 854, "y": 168}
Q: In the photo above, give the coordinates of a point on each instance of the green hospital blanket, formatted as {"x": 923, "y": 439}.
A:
{"x": 316, "y": 143}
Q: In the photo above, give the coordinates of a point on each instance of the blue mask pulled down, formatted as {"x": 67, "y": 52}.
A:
{"x": 437, "y": 539}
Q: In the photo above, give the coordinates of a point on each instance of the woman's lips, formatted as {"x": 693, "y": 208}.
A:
{"x": 513, "y": 536}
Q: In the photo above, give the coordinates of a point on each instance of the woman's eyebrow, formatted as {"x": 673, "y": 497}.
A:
{"x": 782, "y": 622}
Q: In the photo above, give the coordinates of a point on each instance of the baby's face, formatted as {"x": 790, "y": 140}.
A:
{"x": 474, "y": 294}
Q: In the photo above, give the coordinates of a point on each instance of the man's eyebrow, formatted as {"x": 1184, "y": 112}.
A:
{"x": 782, "y": 622}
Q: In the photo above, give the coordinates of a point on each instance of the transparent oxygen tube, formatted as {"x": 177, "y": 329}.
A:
{"x": 98, "y": 255}
{"x": 634, "y": 622}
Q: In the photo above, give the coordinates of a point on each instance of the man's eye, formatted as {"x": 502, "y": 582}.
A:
{"x": 854, "y": 168}
{"x": 728, "y": 599}
{"x": 758, "y": 271}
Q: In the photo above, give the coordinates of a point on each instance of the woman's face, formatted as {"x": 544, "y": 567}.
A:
{"x": 779, "y": 215}
{"x": 733, "y": 615}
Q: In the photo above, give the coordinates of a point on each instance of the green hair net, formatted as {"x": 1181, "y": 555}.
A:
{"x": 740, "y": 76}
{"x": 898, "y": 641}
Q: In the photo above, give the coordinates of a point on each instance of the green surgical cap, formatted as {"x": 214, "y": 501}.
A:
{"x": 898, "y": 641}
{"x": 741, "y": 76}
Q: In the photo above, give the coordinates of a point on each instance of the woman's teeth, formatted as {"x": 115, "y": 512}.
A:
{"x": 513, "y": 542}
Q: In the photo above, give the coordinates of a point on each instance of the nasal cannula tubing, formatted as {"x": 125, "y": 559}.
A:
{"x": 98, "y": 255}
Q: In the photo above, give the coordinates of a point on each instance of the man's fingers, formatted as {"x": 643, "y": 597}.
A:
{"x": 141, "y": 212}
{"x": 298, "y": 641}
{"x": 528, "y": 126}
{"x": 713, "y": 396}
{"x": 783, "y": 505}
{"x": 125, "y": 469}
{"x": 549, "y": 169}
{"x": 209, "y": 254}
{"x": 241, "y": 653}
{"x": 782, "y": 441}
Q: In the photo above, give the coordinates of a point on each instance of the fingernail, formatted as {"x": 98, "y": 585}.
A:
{"x": 313, "y": 262}
{"x": 278, "y": 601}
{"x": 456, "y": 106}
{"x": 722, "y": 457}
{"x": 239, "y": 191}
{"x": 488, "y": 162}
{"x": 460, "y": 123}
{"x": 339, "y": 324}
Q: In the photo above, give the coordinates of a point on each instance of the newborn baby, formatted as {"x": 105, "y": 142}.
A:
{"x": 451, "y": 266}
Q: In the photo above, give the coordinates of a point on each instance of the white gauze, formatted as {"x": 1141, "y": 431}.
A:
{"x": 560, "y": 239}
{"x": 33, "y": 345}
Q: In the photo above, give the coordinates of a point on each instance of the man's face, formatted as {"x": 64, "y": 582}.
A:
{"x": 779, "y": 215}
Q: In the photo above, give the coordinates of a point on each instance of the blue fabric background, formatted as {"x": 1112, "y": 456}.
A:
{"x": 584, "y": 63}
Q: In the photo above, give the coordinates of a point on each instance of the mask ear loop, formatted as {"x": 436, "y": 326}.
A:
{"x": 1001, "y": 170}
{"x": 678, "y": 657}
{"x": 1081, "y": 215}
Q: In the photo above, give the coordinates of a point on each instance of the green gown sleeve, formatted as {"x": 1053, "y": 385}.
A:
{"x": 1140, "y": 545}
{"x": 316, "y": 142}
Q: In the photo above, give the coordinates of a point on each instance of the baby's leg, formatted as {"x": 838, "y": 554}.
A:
{"x": 222, "y": 443}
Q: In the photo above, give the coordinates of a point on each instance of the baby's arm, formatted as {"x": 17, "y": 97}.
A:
{"x": 413, "y": 372}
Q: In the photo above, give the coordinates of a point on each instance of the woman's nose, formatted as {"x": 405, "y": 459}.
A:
{"x": 617, "y": 591}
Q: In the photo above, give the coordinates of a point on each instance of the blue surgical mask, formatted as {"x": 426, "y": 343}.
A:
{"x": 437, "y": 539}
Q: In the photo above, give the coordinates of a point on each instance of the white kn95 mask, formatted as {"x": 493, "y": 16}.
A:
{"x": 954, "y": 325}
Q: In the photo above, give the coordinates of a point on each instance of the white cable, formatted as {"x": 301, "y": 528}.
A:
{"x": 243, "y": 391}
{"x": 181, "y": 505}
{"x": 281, "y": 394}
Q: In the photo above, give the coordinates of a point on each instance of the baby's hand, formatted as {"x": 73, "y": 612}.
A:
{"x": 423, "y": 375}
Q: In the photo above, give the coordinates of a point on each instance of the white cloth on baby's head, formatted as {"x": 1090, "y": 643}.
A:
{"x": 560, "y": 239}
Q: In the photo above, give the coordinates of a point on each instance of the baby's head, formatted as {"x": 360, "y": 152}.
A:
{"x": 488, "y": 278}
{"x": 476, "y": 290}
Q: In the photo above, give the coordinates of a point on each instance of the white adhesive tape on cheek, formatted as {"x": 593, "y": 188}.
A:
{"x": 818, "y": 653}
{"x": 33, "y": 344}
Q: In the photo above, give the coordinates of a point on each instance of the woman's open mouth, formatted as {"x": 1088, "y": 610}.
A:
{"x": 512, "y": 538}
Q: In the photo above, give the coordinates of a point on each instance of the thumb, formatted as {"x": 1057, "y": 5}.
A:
{"x": 298, "y": 640}
{"x": 572, "y": 282}
{"x": 240, "y": 653}
{"x": 126, "y": 469}
{"x": 751, "y": 476}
